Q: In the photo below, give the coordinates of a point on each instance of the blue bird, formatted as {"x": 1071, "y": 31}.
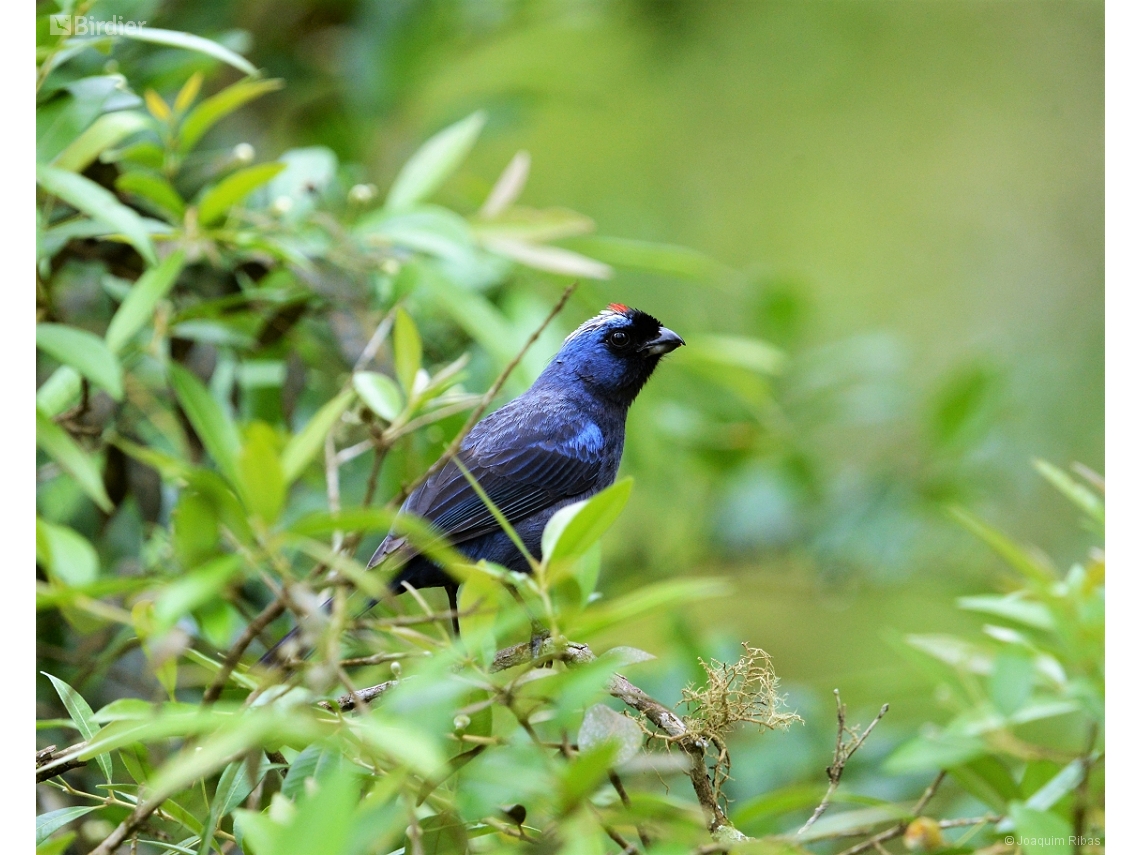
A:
{"x": 559, "y": 442}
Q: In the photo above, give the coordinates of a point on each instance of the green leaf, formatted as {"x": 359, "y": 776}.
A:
{"x": 262, "y": 479}
{"x": 933, "y": 752}
{"x": 662, "y": 258}
{"x": 479, "y": 596}
{"x": 74, "y": 460}
{"x": 195, "y": 589}
{"x": 86, "y": 196}
{"x": 234, "y": 786}
{"x": 1073, "y": 490}
{"x": 751, "y": 354}
{"x": 174, "y": 38}
{"x": 68, "y": 556}
{"x": 303, "y": 447}
{"x": 435, "y": 161}
{"x": 650, "y": 598}
{"x": 533, "y": 226}
{"x": 577, "y": 527}
{"x": 1011, "y": 682}
{"x": 49, "y": 823}
{"x": 1057, "y": 787}
{"x": 60, "y": 845}
{"x": 1041, "y": 833}
{"x": 552, "y": 259}
{"x": 217, "y": 107}
{"x": 602, "y": 724}
{"x": 84, "y": 718}
{"x": 228, "y": 192}
{"x": 136, "y": 311}
{"x": 1012, "y": 607}
{"x": 213, "y": 426}
{"x": 1016, "y": 556}
{"x": 315, "y": 763}
{"x": 83, "y": 351}
{"x": 154, "y": 190}
{"x": 379, "y": 393}
{"x": 108, "y": 130}
{"x": 408, "y": 350}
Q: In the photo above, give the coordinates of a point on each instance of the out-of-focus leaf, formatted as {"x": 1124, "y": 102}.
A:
{"x": 1057, "y": 787}
{"x": 1077, "y": 493}
{"x": 1016, "y": 556}
{"x": 59, "y": 391}
{"x": 379, "y": 393}
{"x": 194, "y": 589}
{"x": 83, "y": 351}
{"x": 1011, "y": 682}
{"x": 186, "y": 41}
{"x": 479, "y": 604}
{"x": 661, "y": 258}
{"x": 577, "y": 527}
{"x": 67, "y": 555}
{"x": 85, "y": 195}
{"x": 49, "y": 823}
{"x": 75, "y": 461}
{"x": 315, "y": 763}
{"x": 988, "y": 780}
{"x": 653, "y": 597}
{"x": 509, "y": 186}
{"x": 262, "y": 478}
{"x": 435, "y": 161}
{"x": 553, "y": 259}
{"x": 533, "y": 225}
{"x": 59, "y": 845}
{"x": 931, "y": 753}
{"x": 751, "y": 354}
{"x": 954, "y": 651}
{"x": 83, "y": 716}
{"x": 1041, "y": 832}
{"x": 108, "y": 130}
{"x": 136, "y": 311}
{"x": 307, "y": 172}
{"x": 211, "y": 110}
{"x": 602, "y": 724}
{"x": 408, "y": 350}
{"x": 303, "y": 447}
{"x": 403, "y": 743}
{"x": 210, "y": 421}
{"x": 1012, "y": 607}
{"x": 232, "y": 189}
{"x": 153, "y": 189}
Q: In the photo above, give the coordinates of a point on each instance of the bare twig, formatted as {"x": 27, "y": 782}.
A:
{"x": 843, "y": 752}
{"x": 899, "y": 830}
{"x": 51, "y": 754}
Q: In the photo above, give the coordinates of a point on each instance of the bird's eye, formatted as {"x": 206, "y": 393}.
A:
{"x": 619, "y": 338}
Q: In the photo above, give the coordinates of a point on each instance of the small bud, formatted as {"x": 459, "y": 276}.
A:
{"x": 243, "y": 153}
{"x": 923, "y": 835}
{"x": 362, "y": 194}
{"x": 396, "y": 669}
{"x": 282, "y": 205}
{"x": 462, "y": 722}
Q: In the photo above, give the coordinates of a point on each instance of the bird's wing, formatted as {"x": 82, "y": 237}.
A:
{"x": 525, "y": 462}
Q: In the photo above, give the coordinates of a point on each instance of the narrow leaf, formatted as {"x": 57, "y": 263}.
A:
{"x": 49, "y": 823}
{"x": 408, "y": 350}
{"x": 136, "y": 311}
{"x": 435, "y": 161}
{"x": 83, "y": 716}
{"x": 550, "y": 258}
{"x": 174, "y": 38}
{"x": 577, "y": 527}
{"x": 75, "y": 461}
{"x": 85, "y": 195}
{"x": 83, "y": 351}
{"x": 303, "y": 447}
{"x": 215, "y": 108}
{"x": 379, "y": 393}
{"x": 228, "y": 192}
{"x": 108, "y": 130}
{"x": 210, "y": 421}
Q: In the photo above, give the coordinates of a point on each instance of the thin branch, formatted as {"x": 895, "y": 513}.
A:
{"x": 50, "y": 754}
{"x": 900, "y": 829}
{"x": 843, "y": 752}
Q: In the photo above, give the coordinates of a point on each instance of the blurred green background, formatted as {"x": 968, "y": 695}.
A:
{"x": 907, "y": 199}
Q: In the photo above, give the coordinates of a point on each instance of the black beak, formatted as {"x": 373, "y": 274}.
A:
{"x": 665, "y": 342}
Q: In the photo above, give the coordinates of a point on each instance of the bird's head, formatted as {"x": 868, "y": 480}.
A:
{"x": 615, "y": 352}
